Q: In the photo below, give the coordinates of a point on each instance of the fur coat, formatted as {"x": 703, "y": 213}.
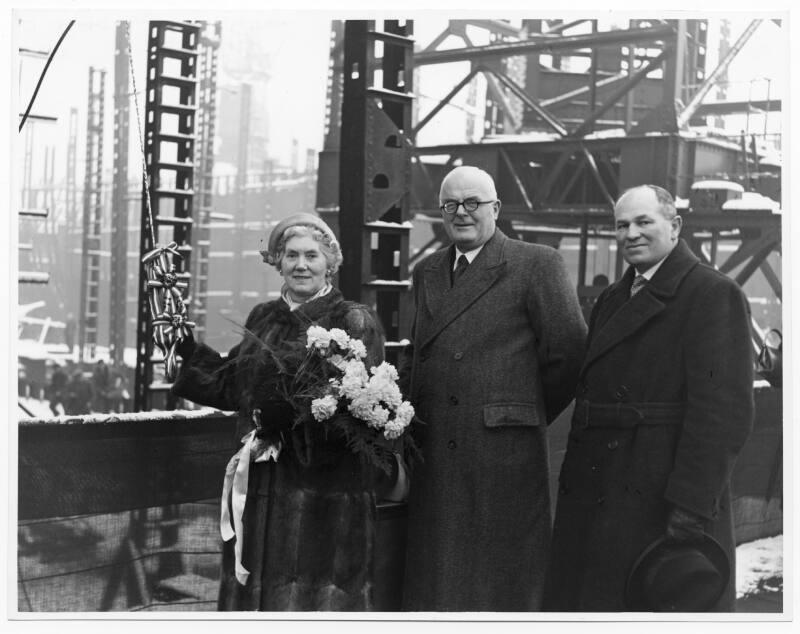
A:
{"x": 309, "y": 518}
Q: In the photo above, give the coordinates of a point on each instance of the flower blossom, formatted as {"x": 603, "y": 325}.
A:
{"x": 354, "y": 379}
{"x": 318, "y": 337}
{"x": 383, "y": 389}
{"x": 394, "y": 428}
{"x": 340, "y": 337}
{"x": 323, "y": 408}
{"x": 357, "y": 348}
{"x": 385, "y": 371}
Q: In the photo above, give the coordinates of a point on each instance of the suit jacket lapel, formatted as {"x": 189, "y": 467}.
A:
{"x": 446, "y": 303}
{"x": 437, "y": 279}
{"x": 621, "y": 317}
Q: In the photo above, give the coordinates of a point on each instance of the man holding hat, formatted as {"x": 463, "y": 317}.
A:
{"x": 664, "y": 405}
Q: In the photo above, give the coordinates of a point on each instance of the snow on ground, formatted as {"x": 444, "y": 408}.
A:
{"x": 759, "y": 566}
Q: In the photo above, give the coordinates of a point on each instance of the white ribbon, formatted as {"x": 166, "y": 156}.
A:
{"x": 237, "y": 475}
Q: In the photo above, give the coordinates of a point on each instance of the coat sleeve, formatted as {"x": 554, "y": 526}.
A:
{"x": 718, "y": 365}
{"x": 405, "y": 362}
{"x": 361, "y": 322}
{"x": 209, "y": 379}
{"x": 560, "y": 332}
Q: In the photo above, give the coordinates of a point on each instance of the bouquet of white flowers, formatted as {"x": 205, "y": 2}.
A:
{"x": 328, "y": 384}
{"x": 372, "y": 397}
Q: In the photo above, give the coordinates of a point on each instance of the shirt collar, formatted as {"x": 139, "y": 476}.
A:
{"x": 649, "y": 273}
{"x": 293, "y": 305}
{"x": 471, "y": 255}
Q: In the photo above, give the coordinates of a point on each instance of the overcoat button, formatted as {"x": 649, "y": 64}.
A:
{"x": 613, "y": 444}
{"x": 458, "y": 356}
{"x": 594, "y": 468}
{"x": 451, "y": 444}
{"x": 601, "y": 499}
{"x": 454, "y": 400}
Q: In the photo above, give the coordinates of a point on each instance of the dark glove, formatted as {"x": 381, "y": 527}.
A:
{"x": 185, "y": 347}
{"x": 273, "y": 415}
{"x": 684, "y": 526}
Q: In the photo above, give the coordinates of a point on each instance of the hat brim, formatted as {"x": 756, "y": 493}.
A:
{"x": 634, "y": 588}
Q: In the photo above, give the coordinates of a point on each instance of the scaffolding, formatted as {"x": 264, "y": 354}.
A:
{"x": 210, "y": 38}
{"x": 169, "y": 147}
{"x": 71, "y": 176}
{"x": 374, "y": 220}
{"x": 119, "y": 200}
{"x": 242, "y": 162}
{"x": 92, "y": 217}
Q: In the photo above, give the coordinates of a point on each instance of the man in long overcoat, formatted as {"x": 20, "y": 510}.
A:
{"x": 664, "y": 404}
{"x": 498, "y": 339}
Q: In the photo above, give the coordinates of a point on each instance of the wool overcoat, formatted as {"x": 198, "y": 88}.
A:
{"x": 496, "y": 359}
{"x": 679, "y": 352}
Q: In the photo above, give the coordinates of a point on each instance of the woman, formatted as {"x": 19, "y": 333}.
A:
{"x": 307, "y": 530}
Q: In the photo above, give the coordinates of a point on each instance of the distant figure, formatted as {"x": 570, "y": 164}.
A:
{"x": 22, "y": 380}
{"x": 101, "y": 382}
{"x": 600, "y": 280}
{"x": 69, "y": 332}
{"x": 58, "y": 386}
{"x": 79, "y": 395}
{"x": 118, "y": 394}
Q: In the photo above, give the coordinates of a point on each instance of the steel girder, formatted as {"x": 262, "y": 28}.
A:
{"x": 119, "y": 200}
{"x": 373, "y": 217}
{"x": 92, "y": 217}
{"x": 170, "y": 117}
{"x": 204, "y": 162}
{"x": 548, "y": 44}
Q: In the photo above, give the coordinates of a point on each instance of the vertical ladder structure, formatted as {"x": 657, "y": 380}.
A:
{"x": 27, "y": 168}
{"x": 333, "y": 93}
{"x": 119, "y": 200}
{"x": 92, "y": 217}
{"x": 374, "y": 217}
{"x": 242, "y": 162}
{"x": 72, "y": 187}
{"x": 32, "y": 277}
{"x": 169, "y": 146}
{"x": 210, "y": 38}
{"x": 722, "y": 83}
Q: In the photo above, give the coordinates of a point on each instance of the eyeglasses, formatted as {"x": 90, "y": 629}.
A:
{"x": 470, "y": 204}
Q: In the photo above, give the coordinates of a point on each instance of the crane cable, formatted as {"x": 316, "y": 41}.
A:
{"x": 41, "y": 77}
{"x": 141, "y": 138}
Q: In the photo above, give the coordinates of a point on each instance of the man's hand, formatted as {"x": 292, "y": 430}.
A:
{"x": 684, "y": 526}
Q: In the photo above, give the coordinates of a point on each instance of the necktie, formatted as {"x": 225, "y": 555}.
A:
{"x": 638, "y": 284}
{"x": 461, "y": 266}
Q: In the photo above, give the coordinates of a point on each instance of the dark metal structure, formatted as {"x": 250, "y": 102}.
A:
{"x": 210, "y": 38}
{"x": 92, "y": 216}
{"x": 119, "y": 200}
{"x": 374, "y": 217}
{"x": 561, "y": 171}
{"x": 242, "y": 164}
{"x": 71, "y": 178}
{"x": 170, "y": 125}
